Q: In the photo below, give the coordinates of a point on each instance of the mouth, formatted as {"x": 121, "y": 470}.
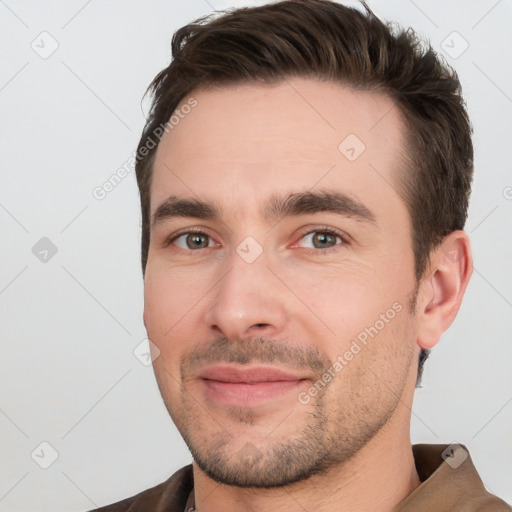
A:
{"x": 252, "y": 386}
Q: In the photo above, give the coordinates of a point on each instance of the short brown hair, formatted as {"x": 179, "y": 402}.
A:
{"x": 328, "y": 41}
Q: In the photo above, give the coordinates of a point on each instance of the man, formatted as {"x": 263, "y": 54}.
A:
{"x": 304, "y": 177}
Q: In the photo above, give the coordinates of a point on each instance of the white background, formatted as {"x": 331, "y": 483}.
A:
{"x": 70, "y": 325}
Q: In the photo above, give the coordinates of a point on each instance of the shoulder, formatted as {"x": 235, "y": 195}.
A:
{"x": 449, "y": 481}
{"x": 490, "y": 503}
{"x": 170, "y": 495}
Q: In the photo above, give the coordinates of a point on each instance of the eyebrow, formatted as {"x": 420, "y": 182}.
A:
{"x": 176, "y": 207}
{"x": 278, "y": 207}
{"x": 302, "y": 203}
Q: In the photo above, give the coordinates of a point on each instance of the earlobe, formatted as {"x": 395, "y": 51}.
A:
{"x": 442, "y": 290}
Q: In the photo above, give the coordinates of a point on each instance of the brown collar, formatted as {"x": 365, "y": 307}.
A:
{"x": 449, "y": 481}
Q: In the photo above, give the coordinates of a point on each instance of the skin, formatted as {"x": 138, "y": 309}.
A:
{"x": 297, "y": 306}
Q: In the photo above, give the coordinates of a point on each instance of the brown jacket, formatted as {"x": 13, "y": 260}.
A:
{"x": 447, "y": 485}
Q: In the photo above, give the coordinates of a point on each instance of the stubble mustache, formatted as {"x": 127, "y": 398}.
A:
{"x": 254, "y": 350}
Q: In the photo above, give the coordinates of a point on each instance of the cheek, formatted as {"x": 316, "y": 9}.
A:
{"x": 346, "y": 299}
{"x": 356, "y": 317}
{"x": 170, "y": 298}
{"x": 375, "y": 359}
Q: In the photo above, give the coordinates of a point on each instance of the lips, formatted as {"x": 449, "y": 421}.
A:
{"x": 250, "y": 387}
{"x": 224, "y": 373}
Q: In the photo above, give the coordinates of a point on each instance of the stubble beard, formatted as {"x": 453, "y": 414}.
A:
{"x": 318, "y": 445}
{"x": 337, "y": 423}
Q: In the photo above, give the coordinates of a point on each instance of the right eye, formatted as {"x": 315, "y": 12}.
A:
{"x": 191, "y": 241}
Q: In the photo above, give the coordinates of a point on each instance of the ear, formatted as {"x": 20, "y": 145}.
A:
{"x": 441, "y": 291}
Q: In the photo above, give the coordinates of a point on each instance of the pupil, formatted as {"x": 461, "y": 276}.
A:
{"x": 197, "y": 241}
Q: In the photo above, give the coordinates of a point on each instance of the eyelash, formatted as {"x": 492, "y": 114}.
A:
{"x": 174, "y": 237}
{"x": 325, "y": 229}
{"x": 329, "y": 231}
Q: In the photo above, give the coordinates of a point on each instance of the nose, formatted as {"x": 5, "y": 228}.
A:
{"x": 247, "y": 301}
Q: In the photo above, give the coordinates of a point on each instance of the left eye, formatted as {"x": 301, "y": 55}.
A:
{"x": 320, "y": 240}
{"x": 193, "y": 240}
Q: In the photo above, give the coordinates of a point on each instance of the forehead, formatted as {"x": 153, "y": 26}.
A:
{"x": 252, "y": 140}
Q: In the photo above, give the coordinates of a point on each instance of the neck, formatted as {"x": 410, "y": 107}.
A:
{"x": 377, "y": 478}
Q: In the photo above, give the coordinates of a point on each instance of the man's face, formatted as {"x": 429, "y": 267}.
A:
{"x": 300, "y": 261}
